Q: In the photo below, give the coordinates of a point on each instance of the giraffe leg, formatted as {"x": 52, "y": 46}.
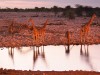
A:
{"x": 81, "y": 36}
{"x": 84, "y": 36}
{"x": 34, "y": 39}
{"x": 37, "y": 41}
{"x": 43, "y": 37}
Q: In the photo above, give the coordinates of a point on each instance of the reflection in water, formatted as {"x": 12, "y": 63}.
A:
{"x": 23, "y": 51}
{"x": 67, "y": 50}
{"x": 11, "y": 53}
{"x": 38, "y": 52}
{"x": 2, "y": 48}
{"x": 51, "y": 58}
{"x": 85, "y": 56}
{"x": 86, "y": 53}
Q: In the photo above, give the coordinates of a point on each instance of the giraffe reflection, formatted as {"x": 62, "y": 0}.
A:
{"x": 85, "y": 56}
{"x": 38, "y": 52}
{"x": 20, "y": 49}
{"x": 11, "y": 53}
{"x": 67, "y": 50}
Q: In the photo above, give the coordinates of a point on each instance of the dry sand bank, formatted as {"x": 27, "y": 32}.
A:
{"x": 55, "y": 30}
{"x": 19, "y": 72}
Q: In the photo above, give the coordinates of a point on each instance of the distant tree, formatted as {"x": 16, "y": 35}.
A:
{"x": 16, "y": 9}
{"x": 97, "y": 11}
{"x": 67, "y": 7}
{"x": 7, "y": 9}
{"x": 71, "y": 14}
{"x": 68, "y": 12}
{"x": 36, "y": 9}
{"x": 89, "y": 11}
{"x": 79, "y": 10}
{"x": 42, "y": 9}
{"x": 55, "y": 10}
{"x": 22, "y": 10}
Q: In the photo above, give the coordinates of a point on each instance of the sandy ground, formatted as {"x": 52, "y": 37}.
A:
{"x": 19, "y": 72}
{"x": 55, "y": 30}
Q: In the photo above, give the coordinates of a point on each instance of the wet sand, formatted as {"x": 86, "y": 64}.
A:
{"x": 55, "y": 30}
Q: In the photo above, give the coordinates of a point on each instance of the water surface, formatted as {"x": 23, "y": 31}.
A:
{"x": 50, "y": 58}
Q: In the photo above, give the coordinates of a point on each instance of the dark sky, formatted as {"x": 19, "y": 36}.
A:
{"x": 47, "y": 3}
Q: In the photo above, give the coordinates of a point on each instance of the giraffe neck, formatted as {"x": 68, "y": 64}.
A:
{"x": 33, "y": 24}
{"x": 45, "y": 24}
{"x": 90, "y": 21}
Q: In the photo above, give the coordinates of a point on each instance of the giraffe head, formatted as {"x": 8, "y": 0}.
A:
{"x": 30, "y": 19}
{"x": 94, "y": 15}
{"x": 92, "y": 18}
{"x": 46, "y": 22}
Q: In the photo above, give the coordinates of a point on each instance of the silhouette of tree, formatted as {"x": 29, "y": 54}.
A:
{"x": 36, "y": 9}
{"x": 16, "y": 9}
{"x": 55, "y": 10}
{"x": 89, "y": 11}
{"x": 42, "y": 9}
{"x": 67, "y": 7}
{"x": 79, "y": 10}
{"x": 97, "y": 11}
{"x": 68, "y": 12}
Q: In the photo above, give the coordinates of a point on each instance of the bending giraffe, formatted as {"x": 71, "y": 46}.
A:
{"x": 38, "y": 32}
{"x": 85, "y": 30}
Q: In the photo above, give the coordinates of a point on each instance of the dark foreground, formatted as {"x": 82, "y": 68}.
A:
{"x": 19, "y": 72}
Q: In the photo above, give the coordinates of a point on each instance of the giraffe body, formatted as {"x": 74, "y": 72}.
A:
{"x": 85, "y": 30}
{"x": 38, "y": 32}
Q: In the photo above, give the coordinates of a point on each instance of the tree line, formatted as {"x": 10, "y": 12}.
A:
{"x": 67, "y": 11}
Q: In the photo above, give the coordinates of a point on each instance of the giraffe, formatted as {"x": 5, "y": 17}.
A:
{"x": 67, "y": 35}
{"x": 13, "y": 28}
{"x": 85, "y": 29}
{"x": 10, "y": 28}
{"x": 38, "y": 32}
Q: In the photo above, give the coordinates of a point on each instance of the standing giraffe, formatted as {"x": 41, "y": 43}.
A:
{"x": 13, "y": 28}
{"x": 38, "y": 32}
{"x": 85, "y": 29}
{"x": 67, "y": 35}
{"x": 10, "y": 28}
